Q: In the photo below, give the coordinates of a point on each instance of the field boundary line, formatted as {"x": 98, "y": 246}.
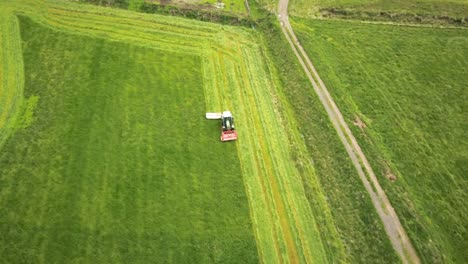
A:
{"x": 388, "y": 23}
{"x": 387, "y": 214}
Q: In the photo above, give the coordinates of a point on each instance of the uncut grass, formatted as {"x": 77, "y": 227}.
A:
{"x": 450, "y": 8}
{"x": 408, "y": 85}
{"x": 117, "y": 163}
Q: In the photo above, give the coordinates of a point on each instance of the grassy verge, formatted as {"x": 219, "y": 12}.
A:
{"x": 440, "y": 12}
{"x": 404, "y": 95}
{"x": 356, "y": 221}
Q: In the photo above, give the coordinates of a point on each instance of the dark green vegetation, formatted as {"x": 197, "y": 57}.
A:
{"x": 453, "y": 12}
{"x": 408, "y": 87}
{"x": 106, "y": 167}
{"x": 189, "y": 7}
{"x": 358, "y": 225}
{"x": 197, "y": 12}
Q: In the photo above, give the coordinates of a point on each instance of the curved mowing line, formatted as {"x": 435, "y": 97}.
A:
{"x": 149, "y": 40}
{"x": 12, "y": 76}
{"x": 234, "y": 78}
{"x": 111, "y": 24}
{"x": 134, "y": 24}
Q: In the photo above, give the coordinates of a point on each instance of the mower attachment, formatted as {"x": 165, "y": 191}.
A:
{"x": 228, "y": 135}
{"x": 214, "y": 115}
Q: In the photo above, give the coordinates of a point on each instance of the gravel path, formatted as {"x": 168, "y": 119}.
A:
{"x": 393, "y": 227}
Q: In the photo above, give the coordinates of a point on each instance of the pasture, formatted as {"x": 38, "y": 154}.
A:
{"x": 404, "y": 94}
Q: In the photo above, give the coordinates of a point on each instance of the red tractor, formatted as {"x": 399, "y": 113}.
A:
{"x": 228, "y": 131}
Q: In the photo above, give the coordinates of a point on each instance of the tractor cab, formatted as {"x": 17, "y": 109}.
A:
{"x": 227, "y": 121}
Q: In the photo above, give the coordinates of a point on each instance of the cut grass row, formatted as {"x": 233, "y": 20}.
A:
{"x": 407, "y": 86}
{"x": 235, "y": 76}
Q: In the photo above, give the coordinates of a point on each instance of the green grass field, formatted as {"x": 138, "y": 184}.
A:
{"x": 106, "y": 157}
{"x": 408, "y": 87}
{"x": 372, "y": 9}
{"x": 101, "y": 163}
{"x": 110, "y": 165}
